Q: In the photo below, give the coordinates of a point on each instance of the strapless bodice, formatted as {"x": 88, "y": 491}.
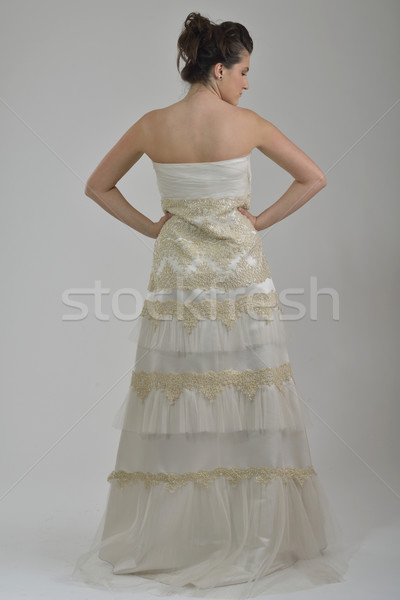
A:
{"x": 222, "y": 178}
{"x": 207, "y": 238}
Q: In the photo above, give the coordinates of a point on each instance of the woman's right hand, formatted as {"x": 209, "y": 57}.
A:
{"x": 157, "y": 226}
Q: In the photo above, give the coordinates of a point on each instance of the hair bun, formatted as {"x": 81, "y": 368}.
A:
{"x": 202, "y": 43}
{"x": 198, "y": 24}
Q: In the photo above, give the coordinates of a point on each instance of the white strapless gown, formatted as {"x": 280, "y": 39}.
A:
{"x": 213, "y": 487}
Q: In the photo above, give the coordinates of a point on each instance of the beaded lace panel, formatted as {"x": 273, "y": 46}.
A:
{"x": 210, "y": 383}
{"x": 207, "y": 243}
{"x": 228, "y": 311}
{"x": 234, "y": 475}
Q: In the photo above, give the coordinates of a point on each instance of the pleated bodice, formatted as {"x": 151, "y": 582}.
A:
{"x": 231, "y": 177}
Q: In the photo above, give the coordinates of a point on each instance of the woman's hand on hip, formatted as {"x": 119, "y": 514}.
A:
{"x": 252, "y": 218}
{"x": 157, "y": 226}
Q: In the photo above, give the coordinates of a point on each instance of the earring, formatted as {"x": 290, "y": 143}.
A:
{"x": 220, "y": 76}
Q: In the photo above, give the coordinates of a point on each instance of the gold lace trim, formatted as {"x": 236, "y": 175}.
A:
{"x": 210, "y": 383}
{"x": 234, "y": 475}
{"x": 207, "y": 243}
{"x": 203, "y": 209}
{"x": 228, "y": 311}
{"x": 204, "y": 277}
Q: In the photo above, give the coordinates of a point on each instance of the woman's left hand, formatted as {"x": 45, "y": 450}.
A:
{"x": 157, "y": 226}
{"x": 251, "y": 217}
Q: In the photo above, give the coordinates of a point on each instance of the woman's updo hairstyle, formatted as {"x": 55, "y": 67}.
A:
{"x": 203, "y": 43}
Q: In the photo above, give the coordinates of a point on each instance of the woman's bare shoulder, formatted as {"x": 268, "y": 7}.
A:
{"x": 150, "y": 116}
{"x": 252, "y": 116}
{"x": 159, "y": 113}
{"x": 256, "y": 126}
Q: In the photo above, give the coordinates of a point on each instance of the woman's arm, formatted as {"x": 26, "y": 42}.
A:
{"x": 101, "y": 185}
{"x": 308, "y": 177}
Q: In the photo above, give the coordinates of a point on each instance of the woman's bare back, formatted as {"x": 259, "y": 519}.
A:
{"x": 199, "y": 130}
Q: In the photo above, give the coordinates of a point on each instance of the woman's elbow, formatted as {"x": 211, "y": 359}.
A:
{"x": 320, "y": 181}
{"x": 89, "y": 188}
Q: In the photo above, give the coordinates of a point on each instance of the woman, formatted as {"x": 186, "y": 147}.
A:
{"x": 206, "y": 125}
{"x": 213, "y": 483}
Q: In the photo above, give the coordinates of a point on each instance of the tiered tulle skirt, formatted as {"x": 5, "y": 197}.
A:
{"x": 214, "y": 493}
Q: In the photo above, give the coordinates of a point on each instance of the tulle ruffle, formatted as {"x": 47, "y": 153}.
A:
{"x": 212, "y": 335}
{"x": 221, "y": 542}
{"x": 271, "y": 409}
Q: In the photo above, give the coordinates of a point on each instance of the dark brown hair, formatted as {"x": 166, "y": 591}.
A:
{"x": 203, "y": 43}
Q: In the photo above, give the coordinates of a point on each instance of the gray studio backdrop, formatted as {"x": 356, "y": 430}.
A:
{"x": 75, "y": 76}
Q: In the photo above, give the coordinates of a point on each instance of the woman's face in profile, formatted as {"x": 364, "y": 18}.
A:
{"x": 235, "y": 80}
